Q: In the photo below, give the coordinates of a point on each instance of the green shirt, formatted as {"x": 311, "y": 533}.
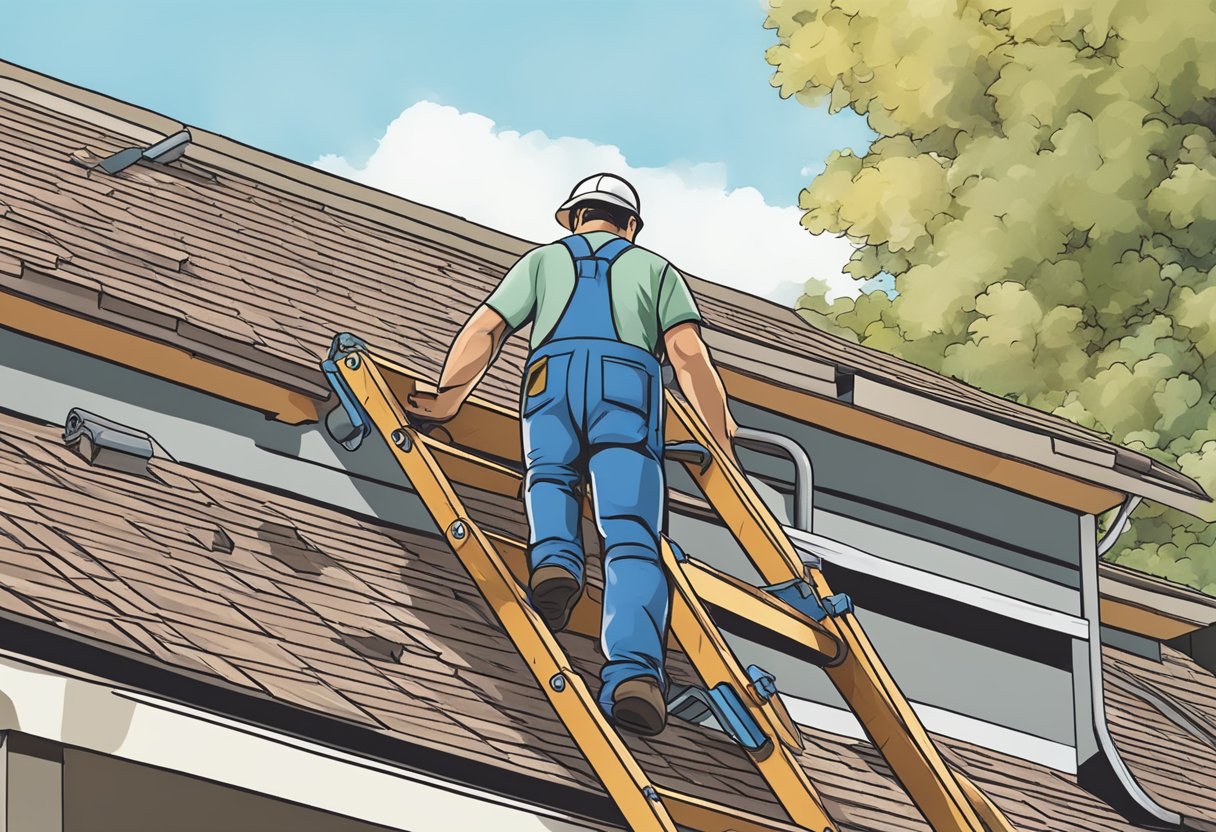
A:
{"x": 648, "y": 295}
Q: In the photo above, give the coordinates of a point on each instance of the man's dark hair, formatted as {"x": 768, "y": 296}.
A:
{"x": 595, "y": 210}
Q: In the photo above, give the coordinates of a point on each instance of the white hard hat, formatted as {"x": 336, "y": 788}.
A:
{"x": 602, "y": 187}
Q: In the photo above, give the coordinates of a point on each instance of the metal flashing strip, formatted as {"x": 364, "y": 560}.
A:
{"x": 59, "y": 705}
{"x": 168, "y": 149}
{"x": 1201, "y": 730}
{"x": 834, "y": 552}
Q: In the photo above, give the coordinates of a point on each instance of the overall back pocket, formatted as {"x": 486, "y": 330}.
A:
{"x": 627, "y": 384}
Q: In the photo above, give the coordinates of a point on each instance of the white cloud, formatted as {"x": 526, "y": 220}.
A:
{"x": 461, "y": 163}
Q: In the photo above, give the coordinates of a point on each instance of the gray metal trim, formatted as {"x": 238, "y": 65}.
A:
{"x": 804, "y": 474}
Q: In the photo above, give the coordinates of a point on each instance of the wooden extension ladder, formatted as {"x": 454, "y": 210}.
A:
{"x": 481, "y": 447}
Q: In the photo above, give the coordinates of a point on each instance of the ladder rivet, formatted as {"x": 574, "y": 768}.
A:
{"x": 651, "y": 794}
{"x": 458, "y": 530}
{"x": 352, "y": 361}
{"x": 558, "y": 682}
{"x": 401, "y": 439}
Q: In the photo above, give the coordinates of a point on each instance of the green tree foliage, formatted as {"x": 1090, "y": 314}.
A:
{"x": 1043, "y": 190}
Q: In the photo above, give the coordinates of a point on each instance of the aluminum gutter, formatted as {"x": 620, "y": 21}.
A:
{"x": 815, "y": 548}
{"x": 834, "y": 552}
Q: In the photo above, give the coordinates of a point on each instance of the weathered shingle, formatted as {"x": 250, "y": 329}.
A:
{"x": 393, "y": 635}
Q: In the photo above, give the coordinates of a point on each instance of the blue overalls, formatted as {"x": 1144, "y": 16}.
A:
{"x": 592, "y": 407}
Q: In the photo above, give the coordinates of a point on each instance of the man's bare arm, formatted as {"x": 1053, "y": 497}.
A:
{"x": 699, "y": 381}
{"x": 471, "y": 354}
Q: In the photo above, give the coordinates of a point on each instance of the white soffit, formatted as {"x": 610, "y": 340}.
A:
{"x": 842, "y": 554}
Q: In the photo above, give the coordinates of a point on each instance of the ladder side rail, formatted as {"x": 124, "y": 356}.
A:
{"x": 861, "y": 678}
{"x": 716, "y": 663}
{"x": 565, "y": 689}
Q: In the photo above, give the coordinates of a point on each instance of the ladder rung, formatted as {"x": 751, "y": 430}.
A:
{"x": 481, "y": 426}
{"x": 474, "y": 470}
{"x": 715, "y": 588}
{"x": 727, "y": 592}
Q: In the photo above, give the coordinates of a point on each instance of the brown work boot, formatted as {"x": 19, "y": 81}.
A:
{"x": 638, "y": 706}
{"x": 554, "y": 593}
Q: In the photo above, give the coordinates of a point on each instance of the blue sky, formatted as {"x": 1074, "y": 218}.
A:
{"x": 534, "y": 95}
{"x": 686, "y": 81}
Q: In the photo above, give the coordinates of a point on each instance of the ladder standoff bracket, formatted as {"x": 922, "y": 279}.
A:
{"x": 801, "y": 596}
{"x": 838, "y": 604}
{"x": 763, "y": 682}
{"x": 695, "y": 704}
{"x": 348, "y": 423}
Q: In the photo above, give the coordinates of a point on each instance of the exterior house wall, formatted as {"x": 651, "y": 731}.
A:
{"x": 102, "y": 793}
{"x": 45, "y": 381}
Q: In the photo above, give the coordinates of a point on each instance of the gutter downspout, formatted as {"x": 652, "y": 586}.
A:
{"x": 1105, "y": 774}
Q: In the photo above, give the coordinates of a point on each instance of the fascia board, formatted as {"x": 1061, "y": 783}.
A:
{"x": 1002, "y": 438}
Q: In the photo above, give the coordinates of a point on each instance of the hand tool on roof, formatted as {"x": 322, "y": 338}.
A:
{"x": 743, "y": 702}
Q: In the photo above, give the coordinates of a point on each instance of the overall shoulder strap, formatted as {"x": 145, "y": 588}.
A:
{"x": 578, "y": 246}
{"x": 613, "y": 249}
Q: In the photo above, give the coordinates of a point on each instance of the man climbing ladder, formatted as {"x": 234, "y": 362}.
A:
{"x": 602, "y": 311}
